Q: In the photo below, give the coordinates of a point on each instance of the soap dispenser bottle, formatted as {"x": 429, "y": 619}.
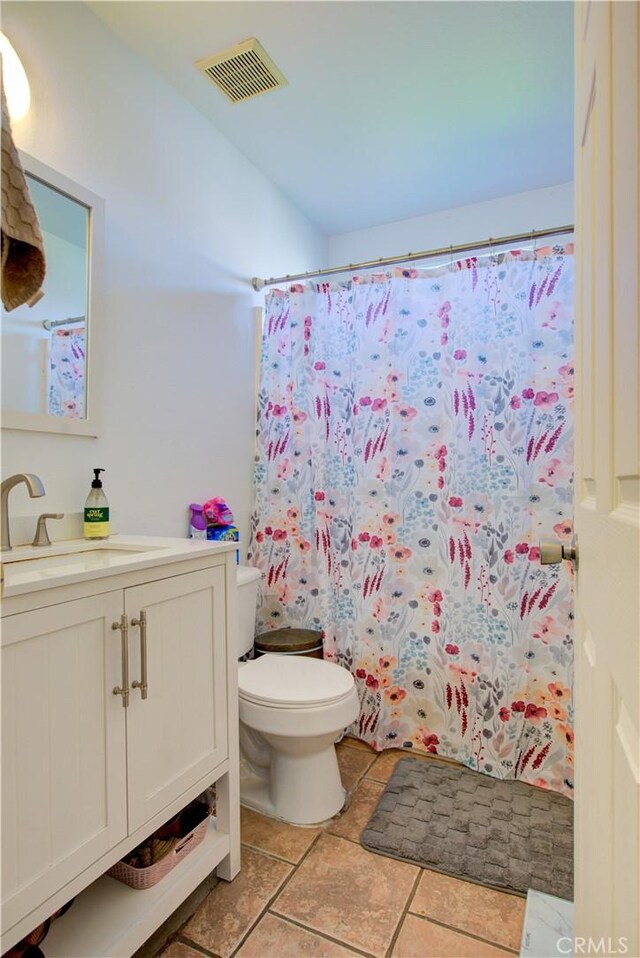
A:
{"x": 96, "y": 511}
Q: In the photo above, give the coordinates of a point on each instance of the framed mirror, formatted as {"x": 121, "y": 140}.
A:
{"x": 49, "y": 350}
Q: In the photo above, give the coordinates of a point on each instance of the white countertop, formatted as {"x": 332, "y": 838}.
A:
{"x": 29, "y": 569}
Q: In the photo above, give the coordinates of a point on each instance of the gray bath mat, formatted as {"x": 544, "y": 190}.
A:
{"x": 507, "y": 835}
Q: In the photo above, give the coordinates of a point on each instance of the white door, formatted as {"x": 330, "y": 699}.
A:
{"x": 607, "y": 477}
{"x": 63, "y": 747}
{"x": 177, "y": 734}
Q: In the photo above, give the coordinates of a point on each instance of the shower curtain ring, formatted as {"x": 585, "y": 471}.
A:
{"x": 451, "y": 256}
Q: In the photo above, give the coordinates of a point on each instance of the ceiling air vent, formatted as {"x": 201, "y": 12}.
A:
{"x": 243, "y": 71}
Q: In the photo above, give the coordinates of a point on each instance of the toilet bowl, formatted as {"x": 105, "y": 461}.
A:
{"x": 292, "y": 709}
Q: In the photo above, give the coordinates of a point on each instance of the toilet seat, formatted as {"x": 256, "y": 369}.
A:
{"x": 293, "y": 682}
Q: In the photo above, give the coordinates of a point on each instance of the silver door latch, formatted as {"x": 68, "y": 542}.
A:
{"x": 553, "y": 552}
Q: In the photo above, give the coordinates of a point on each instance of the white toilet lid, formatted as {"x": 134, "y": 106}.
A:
{"x": 293, "y": 680}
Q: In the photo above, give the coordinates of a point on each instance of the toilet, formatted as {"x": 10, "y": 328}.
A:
{"x": 292, "y": 710}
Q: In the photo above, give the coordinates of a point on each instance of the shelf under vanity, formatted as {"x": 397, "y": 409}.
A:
{"x": 111, "y": 919}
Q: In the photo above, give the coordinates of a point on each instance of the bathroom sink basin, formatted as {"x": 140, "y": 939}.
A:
{"x": 68, "y": 549}
{"x": 31, "y": 568}
{"x": 87, "y": 558}
{"x": 77, "y": 558}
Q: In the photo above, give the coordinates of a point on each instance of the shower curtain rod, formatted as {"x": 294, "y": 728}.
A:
{"x": 259, "y": 284}
{"x": 53, "y": 323}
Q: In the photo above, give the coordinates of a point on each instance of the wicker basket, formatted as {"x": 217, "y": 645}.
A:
{"x": 146, "y": 877}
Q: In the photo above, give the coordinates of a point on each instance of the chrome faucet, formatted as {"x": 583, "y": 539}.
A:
{"x": 35, "y": 488}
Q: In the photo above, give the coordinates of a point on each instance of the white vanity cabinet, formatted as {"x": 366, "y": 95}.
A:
{"x": 178, "y": 733}
{"x": 88, "y": 772}
{"x": 64, "y": 797}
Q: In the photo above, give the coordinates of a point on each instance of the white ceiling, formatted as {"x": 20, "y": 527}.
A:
{"x": 393, "y": 109}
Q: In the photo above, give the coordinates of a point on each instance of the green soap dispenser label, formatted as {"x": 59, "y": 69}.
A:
{"x": 96, "y": 522}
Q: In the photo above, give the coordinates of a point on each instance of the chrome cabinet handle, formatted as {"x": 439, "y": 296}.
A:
{"x": 143, "y": 684}
{"x": 553, "y": 552}
{"x": 123, "y": 627}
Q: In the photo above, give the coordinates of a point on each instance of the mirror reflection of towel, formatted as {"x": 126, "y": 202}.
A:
{"x": 23, "y": 262}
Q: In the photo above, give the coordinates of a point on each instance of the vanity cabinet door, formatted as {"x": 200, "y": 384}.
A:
{"x": 63, "y": 747}
{"x": 176, "y": 735}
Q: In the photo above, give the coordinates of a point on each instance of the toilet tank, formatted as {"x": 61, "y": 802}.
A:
{"x": 248, "y": 581}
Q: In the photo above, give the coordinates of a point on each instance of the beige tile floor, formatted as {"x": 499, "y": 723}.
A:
{"x": 317, "y": 893}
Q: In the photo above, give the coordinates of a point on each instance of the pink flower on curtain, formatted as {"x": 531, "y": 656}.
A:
{"x": 543, "y": 398}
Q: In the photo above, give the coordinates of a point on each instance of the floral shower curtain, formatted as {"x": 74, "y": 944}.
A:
{"x": 414, "y": 442}
{"x": 66, "y": 368}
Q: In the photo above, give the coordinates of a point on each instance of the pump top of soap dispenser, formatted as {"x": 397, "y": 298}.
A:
{"x": 97, "y": 482}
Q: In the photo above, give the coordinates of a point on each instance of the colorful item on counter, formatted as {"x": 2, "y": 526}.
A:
{"x": 217, "y": 512}
{"x": 213, "y": 521}
{"x": 198, "y": 523}
{"x": 225, "y": 534}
